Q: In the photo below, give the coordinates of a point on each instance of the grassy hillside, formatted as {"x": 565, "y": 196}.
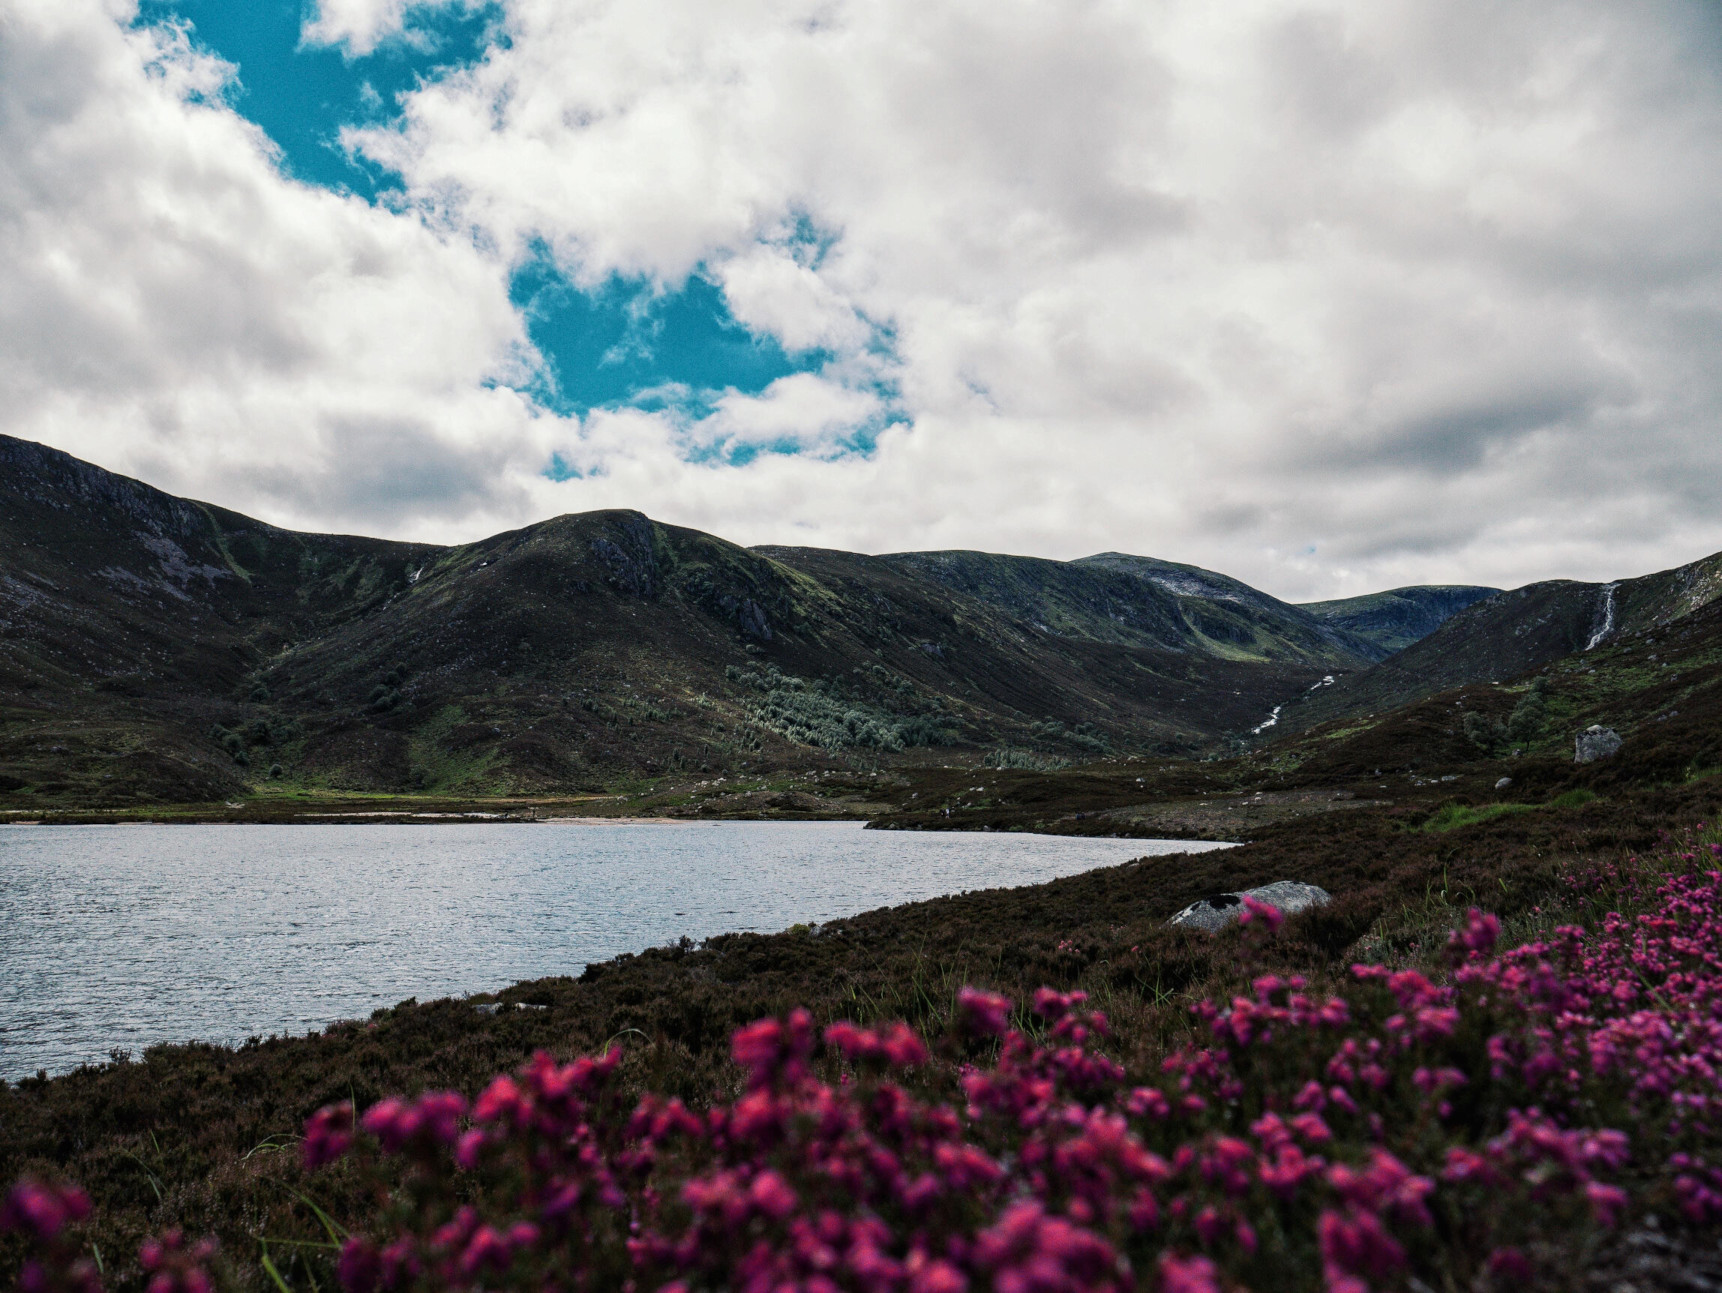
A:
{"x": 1131, "y": 600}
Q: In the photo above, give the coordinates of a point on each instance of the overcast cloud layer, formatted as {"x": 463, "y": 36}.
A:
{"x": 1330, "y": 296}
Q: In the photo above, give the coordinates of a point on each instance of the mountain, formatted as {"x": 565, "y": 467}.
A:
{"x": 1393, "y": 620}
{"x": 1513, "y": 633}
{"x": 1113, "y": 597}
{"x": 154, "y": 648}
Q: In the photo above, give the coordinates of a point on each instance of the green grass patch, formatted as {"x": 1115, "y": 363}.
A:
{"x": 1450, "y": 817}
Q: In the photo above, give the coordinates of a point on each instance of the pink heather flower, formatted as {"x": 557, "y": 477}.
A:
{"x": 772, "y": 1050}
{"x": 1467, "y": 1165}
{"x": 852, "y": 1040}
{"x": 1256, "y": 909}
{"x": 1188, "y": 1274}
{"x": 902, "y": 1047}
{"x": 486, "y": 1248}
{"x": 1227, "y": 1164}
{"x": 360, "y": 1266}
{"x": 1053, "y": 1006}
{"x": 986, "y": 1014}
{"x": 434, "y": 1118}
{"x": 328, "y": 1135}
{"x": 937, "y": 1277}
{"x": 1028, "y": 1250}
{"x": 470, "y": 1148}
{"x": 1147, "y": 1101}
{"x": 1436, "y": 1022}
{"x": 440, "y": 1113}
{"x": 1271, "y": 1130}
{"x": 1289, "y": 1168}
{"x": 1312, "y": 1097}
{"x": 1607, "y": 1202}
{"x": 503, "y": 1101}
{"x": 1210, "y": 1226}
{"x": 965, "y": 1167}
{"x": 1245, "y": 1234}
{"x": 772, "y": 1195}
{"x": 1386, "y": 1185}
{"x": 1477, "y": 939}
{"x": 42, "y": 1210}
{"x": 1355, "y": 1244}
{"x": 174, "y": 1268}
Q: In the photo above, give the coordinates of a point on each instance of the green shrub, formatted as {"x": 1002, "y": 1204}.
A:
{"x": 1010, "y": 757}
{"x": 1529, "y": 717}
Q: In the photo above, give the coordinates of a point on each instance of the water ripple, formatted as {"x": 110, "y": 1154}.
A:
{"x": 132, "y": 935}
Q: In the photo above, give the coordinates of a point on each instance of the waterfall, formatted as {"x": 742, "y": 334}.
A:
{"x": 1607, "y": 616}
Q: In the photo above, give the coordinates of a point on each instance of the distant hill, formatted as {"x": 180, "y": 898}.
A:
{"x": 1138, "y": 600}
{"x": 1512, "y": 633}
{"x": 1393, "y": 620}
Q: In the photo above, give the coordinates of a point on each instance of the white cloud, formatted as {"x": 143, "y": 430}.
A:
{"x": 1330, "y": 295}
{"x": 171, "y": 306}
{"x": 771, "y": 292}
{"x": 359, "y": 26}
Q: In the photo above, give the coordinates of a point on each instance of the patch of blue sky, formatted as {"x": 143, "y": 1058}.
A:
{"x": 303, "y": 95}
{"x": 630, "y": 342}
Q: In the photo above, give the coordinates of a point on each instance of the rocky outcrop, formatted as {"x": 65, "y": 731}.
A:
{"x": 1595, "y": 742}
{"x": 1212, "y": 914}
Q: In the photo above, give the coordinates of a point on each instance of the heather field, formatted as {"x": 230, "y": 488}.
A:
{"x": 1490, "y": 1064}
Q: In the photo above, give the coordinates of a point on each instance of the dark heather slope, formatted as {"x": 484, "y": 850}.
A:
{"x": 130, "y": 618}
{"x": 153, "y": 648}
{"x": 1141, "y": 602}
{"x": 1393, "y": 620}
{"x": 1513, "y": 633}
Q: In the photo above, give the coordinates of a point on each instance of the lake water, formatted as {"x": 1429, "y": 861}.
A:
{"x": 125, "y": 936}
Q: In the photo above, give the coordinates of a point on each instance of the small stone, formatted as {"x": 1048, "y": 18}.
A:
{"x": 1503, "y": 783}
{"x": 1595, "y": 742}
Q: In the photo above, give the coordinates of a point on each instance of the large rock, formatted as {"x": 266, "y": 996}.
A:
{"x": 1595, "y": 742}
{"x": 1223, "y": 908}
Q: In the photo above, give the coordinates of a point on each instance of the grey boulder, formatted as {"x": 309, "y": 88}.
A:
{"x": 1595, "y": 742}
{"x": 1222, "y": 909}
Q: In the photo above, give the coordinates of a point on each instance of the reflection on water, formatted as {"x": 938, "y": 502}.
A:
{"x": 126, "y": 936}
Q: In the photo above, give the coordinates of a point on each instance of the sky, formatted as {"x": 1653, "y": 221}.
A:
{"x": 1329, "y": 295}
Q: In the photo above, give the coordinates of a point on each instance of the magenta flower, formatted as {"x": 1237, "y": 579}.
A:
{"x": 986, "y": 1014}
{"x": 173, "y": 1267}
{"x": 328, "y": 1135}
{"x": 1188, "y": 1274}
{"x": 1256, "y": 909}
{"x": 41, "y": 1210}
